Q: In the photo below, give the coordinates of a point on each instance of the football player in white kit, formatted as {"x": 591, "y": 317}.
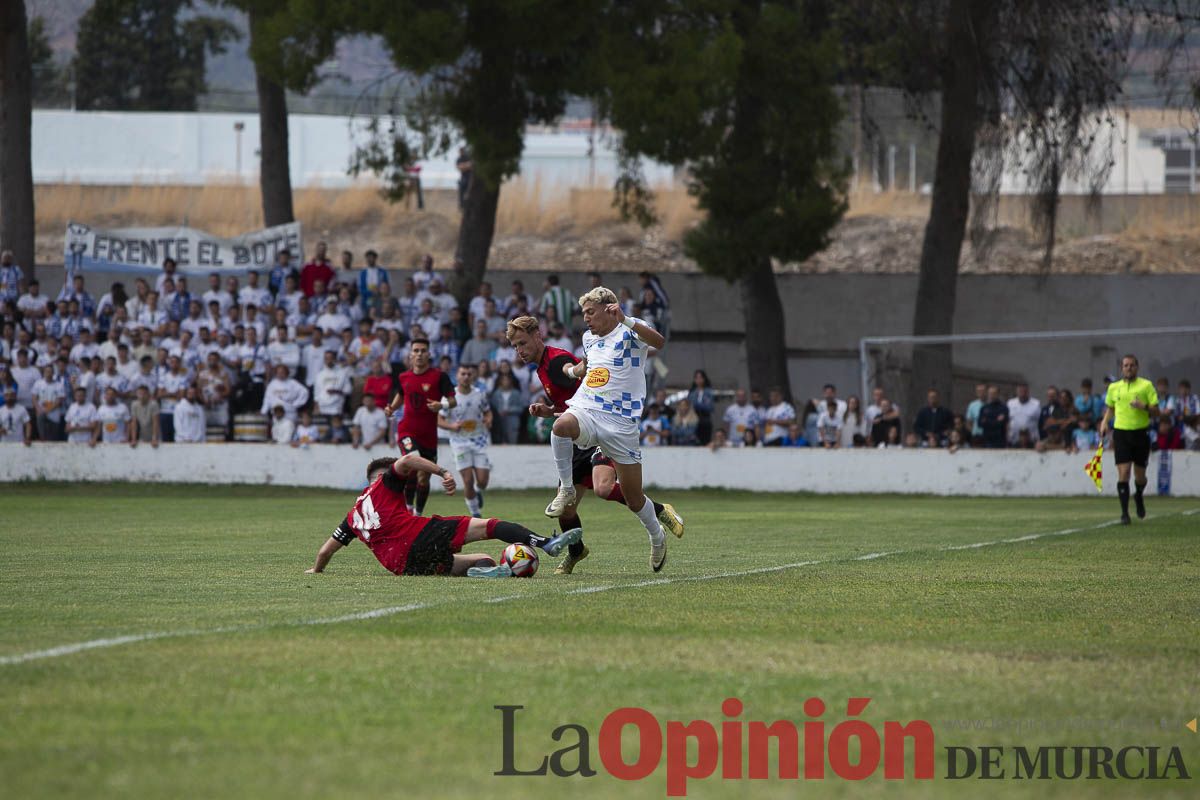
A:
{"x": 607, "y": 408}
{"x": 469, "y": 423}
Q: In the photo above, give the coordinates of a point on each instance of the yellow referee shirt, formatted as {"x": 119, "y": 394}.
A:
{"x": 1119, "y": 396}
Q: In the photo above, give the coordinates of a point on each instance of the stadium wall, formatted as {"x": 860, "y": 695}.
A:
{"x": 967, "y": 472}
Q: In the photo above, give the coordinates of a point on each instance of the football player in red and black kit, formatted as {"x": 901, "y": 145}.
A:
{"x": 408, "y": 544}
{"x": 424, "y": 391}
{"x": 591, "y": 468}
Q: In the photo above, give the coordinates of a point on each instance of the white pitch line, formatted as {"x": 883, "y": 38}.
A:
{"x": 96, "y": 644}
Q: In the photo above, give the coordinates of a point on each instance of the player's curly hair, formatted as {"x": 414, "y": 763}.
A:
{"x": 378, "y": 464}
{"x": 599, "y": 295}
{"x": 527, "y": 324}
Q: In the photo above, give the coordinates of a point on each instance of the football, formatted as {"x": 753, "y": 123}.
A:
{"x": 522, "y": 559}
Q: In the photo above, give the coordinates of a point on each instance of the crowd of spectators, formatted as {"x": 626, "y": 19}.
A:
{"x": 1064, "y": 421}
{"x": 310, "y": 355}
{"x": 296, "y": 355}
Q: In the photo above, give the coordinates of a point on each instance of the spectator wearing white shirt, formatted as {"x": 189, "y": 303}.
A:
{"x": 173, "y": 384}
{"x": 333, "y": 321}
{"x": 369, "y": 425}
{"x": 32, "y": 304}
{"x": 428, "y": 320}
{"x": 81, "y": 420}
{"x": 740, "y": 417}
{"x": 854, "y": 427}
{"x": 252, "y": 294}
{"x": 25, "y": 375}
{"x": 425, "y": 275}
{"x": 153, "y": 317}
{"x": 15, "y": 424}
{"x": 1024, "y": 412}
{"x": 188, "y": 418}
{"x": 780, "y": 414}
{"x": 331, "y": 387}
{"x": 50, "y": 399}
{"x": 877, "y": 398}
{"x": 285, "y": 391}
{"x": 112, "y": 378}
{"x": 87, "y": 348}
{"x": 113, "y": 419}
{"x": 442, "y": 300}
{"x": 289, "y": 298}
{"x": 251, "y": 319}
{"x": 347, "y": 307}
{"x": 829, "y": 424}
{"x": 216, "y": 294}
{"x": 283, "y": 430}
{"x": 284, "y": 351}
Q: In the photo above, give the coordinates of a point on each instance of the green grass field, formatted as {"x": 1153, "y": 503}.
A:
{"x": 1085, "y": 638}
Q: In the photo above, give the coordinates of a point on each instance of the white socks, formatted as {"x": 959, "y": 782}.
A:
{"x": 650, "y": 521}
{"x": 564, "y": 455}
{"x": 472, "y": 505}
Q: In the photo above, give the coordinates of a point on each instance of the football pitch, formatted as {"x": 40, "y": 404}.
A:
{"x": 164, "y": 641}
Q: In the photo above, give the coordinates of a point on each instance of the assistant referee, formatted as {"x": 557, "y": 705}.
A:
{"x": 1132, "y": 401}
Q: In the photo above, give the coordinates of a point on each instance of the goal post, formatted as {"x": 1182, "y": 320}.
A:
{"x": 1185, "y": 353}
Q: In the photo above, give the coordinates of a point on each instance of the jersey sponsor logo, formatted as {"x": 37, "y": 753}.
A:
{"x": 468, "y": 425}
{"x": 425, "y": 386}
{"x": 407, "y": 444}
{"x": 597, "y": 377}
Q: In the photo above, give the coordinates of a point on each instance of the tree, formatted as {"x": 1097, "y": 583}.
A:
{"x": 1028, "y": 82}
{"x": 483, "y": 71}
{"x": 138, "y": 55}
{"x": 17, "y": 224}
{"x": 49, "y": 84}
{"x": 277, "y": 68}
{"x": 741, "y": 93}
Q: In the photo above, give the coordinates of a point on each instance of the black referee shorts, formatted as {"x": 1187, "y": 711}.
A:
{"x": 1132, "y": 446}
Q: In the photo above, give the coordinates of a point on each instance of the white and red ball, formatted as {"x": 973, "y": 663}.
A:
{"x": 521, "y": 558}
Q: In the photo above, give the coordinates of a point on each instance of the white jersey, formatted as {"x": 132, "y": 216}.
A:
{"x": 616, "y": 379}
{"x": 114, "y": 423}
{"x": 470, "y": 410}
{"x": 81, "y": 416}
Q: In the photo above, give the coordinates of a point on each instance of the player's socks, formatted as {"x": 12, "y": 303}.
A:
{"x": 473, "y": 505}
{"x": 479, "y": 497}
{"x": 569, "y": 523}
{"x": 512, "y": 533}
{"x": 422, "y": 498}
{"x": 650, "y": 522}
{"x": 1123, "y": 494}
{"x": 1138, "y": 500}
{"x": 564, "y": 454}
{"x": 617, "y": 496}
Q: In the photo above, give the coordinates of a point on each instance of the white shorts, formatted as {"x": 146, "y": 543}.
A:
{"x": 468, "y": 457}
{"x": 618, "y": 437}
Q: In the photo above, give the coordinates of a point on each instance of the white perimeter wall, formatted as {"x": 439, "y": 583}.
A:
{"x": 969, "y": 472}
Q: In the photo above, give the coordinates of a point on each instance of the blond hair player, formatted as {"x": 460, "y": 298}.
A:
{"x": 606, "y": 410}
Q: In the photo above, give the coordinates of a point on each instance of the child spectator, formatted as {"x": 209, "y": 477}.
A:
{"x": 656, "y": 431}
{"x": 338, "y": 432}
{"x": 795, "y": 437}
{"x": 306, "y": 432}
{"x": 283, "y": 430}
{"x": 829, "y": 425}
{"x": 1085, "y": 437}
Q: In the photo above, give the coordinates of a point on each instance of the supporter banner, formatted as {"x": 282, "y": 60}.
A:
{"x": 89, "y": 249}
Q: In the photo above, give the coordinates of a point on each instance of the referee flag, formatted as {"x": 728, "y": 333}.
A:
{"x": 1093, "y": 468}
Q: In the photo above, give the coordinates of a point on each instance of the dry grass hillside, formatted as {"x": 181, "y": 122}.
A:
{"x": 542, "y": 230}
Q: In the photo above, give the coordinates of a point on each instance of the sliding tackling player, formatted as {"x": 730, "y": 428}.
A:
{"x": 407, "y": 544}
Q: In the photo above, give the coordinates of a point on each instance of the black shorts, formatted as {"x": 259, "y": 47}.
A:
{"x": 1132, "y": 446}
{"x": 407, "y": 445}
{"x": 582, "y": 463}
{"x": 432, "y": 552}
